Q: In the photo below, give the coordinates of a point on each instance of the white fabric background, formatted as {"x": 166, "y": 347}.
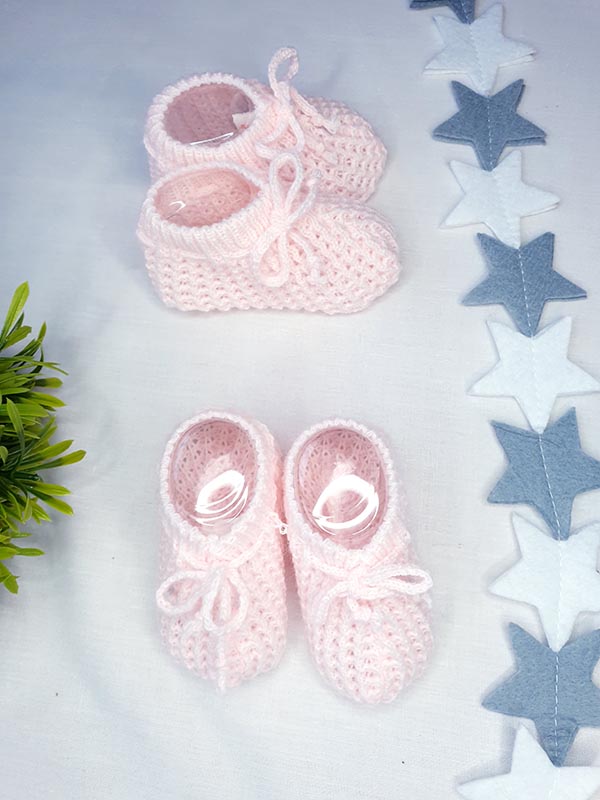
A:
{"x": 92, "y": 707}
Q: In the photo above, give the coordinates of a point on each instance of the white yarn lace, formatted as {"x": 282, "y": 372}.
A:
{"x": 218, "y": 586}
{"x": 361, "y": 584}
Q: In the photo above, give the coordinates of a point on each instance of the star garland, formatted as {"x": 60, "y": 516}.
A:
{"x": 546, "y": 466}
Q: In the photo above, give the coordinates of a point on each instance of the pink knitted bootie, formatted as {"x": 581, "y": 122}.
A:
{"x": 364, "y": 601}
{"x": 218, "y": 237}
{"x": 216, "y": 116}
{"x": 222, "y": 597}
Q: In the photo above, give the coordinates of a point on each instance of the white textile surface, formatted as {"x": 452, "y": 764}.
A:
{"x": 91, "y": 704}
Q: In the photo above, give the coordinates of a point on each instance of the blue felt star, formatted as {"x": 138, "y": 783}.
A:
{"x": 555, "y": 690}
{"x": 522, "y": 280}
{"x": 546, "y": 470}
{"x": 464, "y": 9}
{"x": 489, "y": 123}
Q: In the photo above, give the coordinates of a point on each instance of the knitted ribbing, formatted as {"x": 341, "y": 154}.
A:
{"x": 222, "y": 597}
{"x": 366, "y": 610}
{"x": 328, "y": 135}
{"x": 276, "y": 245}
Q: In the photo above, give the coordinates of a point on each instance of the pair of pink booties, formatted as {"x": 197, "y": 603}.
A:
{"x": 258, "y": 199}
{"x": 225, "y": 494}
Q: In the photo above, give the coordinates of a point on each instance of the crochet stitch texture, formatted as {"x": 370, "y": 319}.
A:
{"x": 219, "y": 237}
{"x": 222, "y": 596}
{"x": 216, "y": 116}
{"x": 364, "y": 602}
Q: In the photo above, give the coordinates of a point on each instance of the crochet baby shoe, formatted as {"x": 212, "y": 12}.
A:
{"x": 218, "y": 237}
{"x": 217, "y": 116}
{"x": 222, "y": 596}
{"x": 364, "y": 601}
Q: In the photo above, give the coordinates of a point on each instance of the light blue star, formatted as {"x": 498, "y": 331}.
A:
{"x": 464, "y": 9}
{"x": 546, "y": 470}
{"x": 522, "y": 280}
{"x": 554, "y": 689}
{"x": 489, "y": 123}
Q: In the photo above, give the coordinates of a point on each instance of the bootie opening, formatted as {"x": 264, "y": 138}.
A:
{"x": 341, "y": 484}
{"x": 204, "y": 197}
{"x": 212, "y": 475}
{"x": 210, "y": 114}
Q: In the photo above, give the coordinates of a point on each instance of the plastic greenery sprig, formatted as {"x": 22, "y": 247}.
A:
{"x": 27, "y": 425}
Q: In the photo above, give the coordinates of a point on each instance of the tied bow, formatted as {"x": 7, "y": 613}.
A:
{"x": 287, "y": 97}
{"x": 283, "y": 218}
{"x": 361, "y": 585}
{"x": 180, "y": 594}
{"x": 220, "y": 589}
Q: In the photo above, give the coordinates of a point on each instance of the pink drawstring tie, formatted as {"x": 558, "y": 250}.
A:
{"x": 287, "y": 97}
{"x": 284, "y": 217}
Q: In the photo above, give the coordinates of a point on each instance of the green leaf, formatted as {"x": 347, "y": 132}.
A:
{"x": 16, "y": 306}
{"x": 71, "y": 458}
{"x": 28, "y": 551}
{"x": 50, "y": 383}
{"x": 3, "y": 453}
{"x": 15, "y": 418}
{"x": 8, "y": 579}
{"x": 48, "y": 488}
{"x": 53, "y": 502}
{"x": 40, "y": 514}
{"x": 47, "y": 400}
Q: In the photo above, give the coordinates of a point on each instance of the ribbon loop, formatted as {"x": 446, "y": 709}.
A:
{"x": 287, "y": 97}
{"x": 219, "y": 591}
{"x": 279, "y": 86}
{"x": 284, "y": 216}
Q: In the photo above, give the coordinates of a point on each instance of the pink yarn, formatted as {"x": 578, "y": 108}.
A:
{"x": 364, "y": 601}
{"x": 216, "y": 116}
{"x": 218, "y": 237}
{"x": 222, "y": 596}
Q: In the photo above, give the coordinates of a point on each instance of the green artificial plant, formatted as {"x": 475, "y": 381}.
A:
{"x": 27, "y": 426}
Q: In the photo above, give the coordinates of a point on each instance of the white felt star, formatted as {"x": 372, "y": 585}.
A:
{"x": 534, "y": 777}
{"x": 498, "y": 198}
{"x": 558, "y": 577}
{"x": 534, "y": 370}
{"x": 479, "y": 49}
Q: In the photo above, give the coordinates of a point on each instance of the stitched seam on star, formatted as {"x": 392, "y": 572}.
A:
{"x": 477, "y": 56}
{"x": 503, "y": 203}
{"x": 525, "y": 294}
{"x": 560, "y": 566}
{"x": 489, "y": 122}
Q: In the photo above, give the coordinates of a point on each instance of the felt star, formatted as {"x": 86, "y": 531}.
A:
{"x": 535, "y": 371}
{"x": 479, "y": 49}
{"x": 498, "y": 198}
{"x": 522, "y": 280}
{"x": 489, "y": 123}
{"x": 559, "y": 578}
{"x": 532, "y": 776}
{"x": 546, "y": 470}
{"x": 554, "y": 689}
{"x": 464, "y": 9}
